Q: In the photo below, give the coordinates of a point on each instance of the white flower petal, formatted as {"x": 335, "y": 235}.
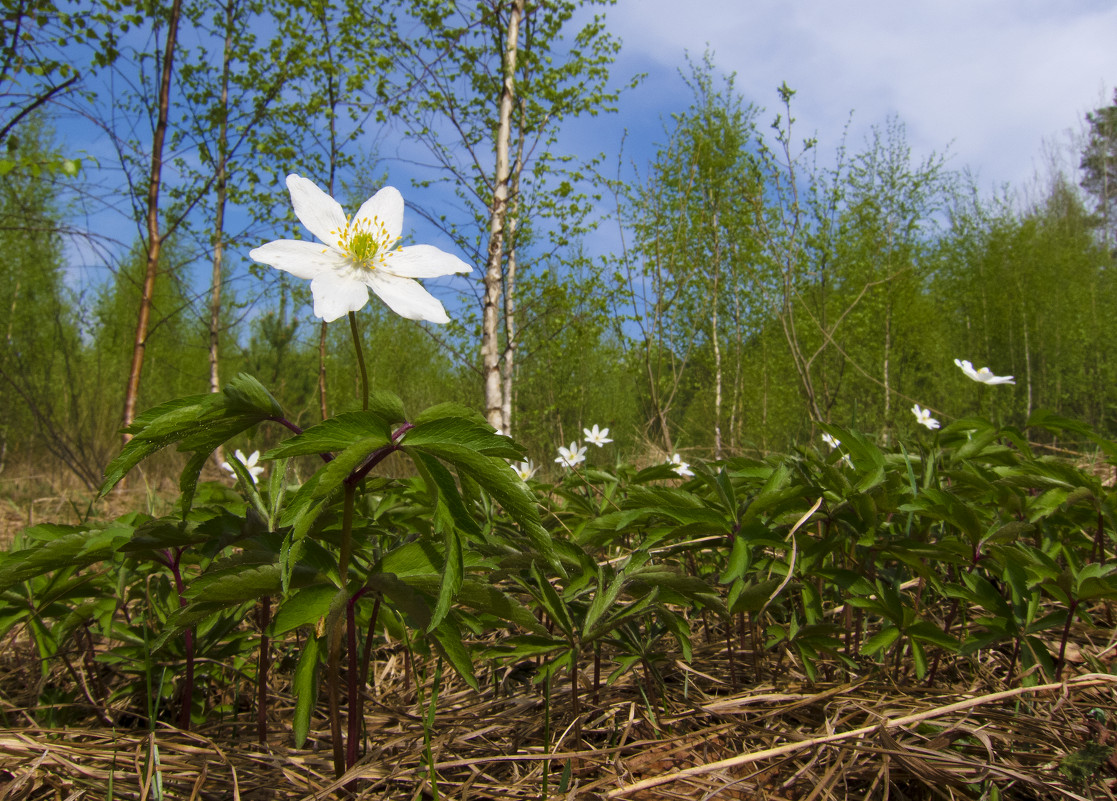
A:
{"x": 320, "y": 213}
{"x": 405, "y": 297}
{"x": 386, "y": 206}
{"x": 300, "y": 258}
{"x": 336, "y": 295}
{"x": 424, "y": 261}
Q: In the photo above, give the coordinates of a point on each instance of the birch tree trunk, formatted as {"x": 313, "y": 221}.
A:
{"x": 509, "y": 367}
{"x": 714, "y": 340}
{"x": 154, "y": 241}
{"x": 508, "y": 370}
{"x": 221, "y": 188}
{"x": 494, "y": 272}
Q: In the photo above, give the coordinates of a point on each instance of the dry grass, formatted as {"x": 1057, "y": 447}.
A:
{"x": 853, "y": 737}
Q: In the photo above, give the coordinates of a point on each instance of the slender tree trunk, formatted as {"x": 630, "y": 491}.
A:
{"x": 154, "y": 241}
{"x": 509, "y": 332}
{"x": 221, "y": 185}
{"x": 219, "y": 210}
{"x": 887, "y": 356}
{"x": 509, "y": 371}
{"x": 715, "y": 343}
{"x": 490, "y": 339}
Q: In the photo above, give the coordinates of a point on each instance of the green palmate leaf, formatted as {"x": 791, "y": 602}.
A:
{"x": 402, "y": 596}
{"x": 193, "y": 614}
{"x": 929, "y": 632}
{"x": 335, "y": 434}
{"x": 174, "y": 419}
{"x": 740, "y": 556}
{"x": 498, "y": 478}
{"x": 331, "y": 475}
{"x": 304, "y": 608}
{"x": 447, "y": 498}
{"x": 466, "y": 433}
{"x": 489, "y": 600}
{"x": 304, "y": 685}
{"x": 750, "y": 596}
{"x": 448, "y": 640}
{"x": 413, "y": 559}
{"x": 235, "y": 584}
{"x": 1045, "y": 418}
{"x": 387, "y": 406}
{"x": 71, "y": 550}
{"x": 199, "y": 424}
{"x": 523, "y": 646}
{"x": 451, "y": 575}
{"x": 453, "y": 410}
{"x": 919, "y": 658}
{"x": 602, "y": 599}
{"x": 554, "y": 606}
{"x": 245, "y": 394}
{"x": 619, "y": 615}
{"x": 880, "y": 640}
{"x": 157, "y": 535}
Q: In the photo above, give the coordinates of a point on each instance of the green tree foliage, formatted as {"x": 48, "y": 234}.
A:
{"x": 1099, "y": 166}
{"x": 695, "y": 294}
{"x": 39, "y": 339}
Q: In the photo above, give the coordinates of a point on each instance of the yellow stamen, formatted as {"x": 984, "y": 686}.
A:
{"x": 366, "y": 242}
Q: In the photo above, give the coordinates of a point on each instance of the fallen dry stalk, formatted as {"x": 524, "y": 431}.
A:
{"x": 1087, "y": 680}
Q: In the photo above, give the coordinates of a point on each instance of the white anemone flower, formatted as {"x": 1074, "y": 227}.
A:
{"x": 572, "y": 456}
{"x": 598, "y": 438}
{"x": 359, "y": 255}
{"x": 680, "y": 467}
{"x": 249, "y": 463}
{"x": 923, "y": 417}
{"x": 833, "y": 442}
{"x": 984, "y": 375}
{"x": 525, "y": 470}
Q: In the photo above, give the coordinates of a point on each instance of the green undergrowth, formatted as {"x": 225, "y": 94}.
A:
{"x": 912, "y": 557}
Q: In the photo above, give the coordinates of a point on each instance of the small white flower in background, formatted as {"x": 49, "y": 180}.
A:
{"x": 572, "y": 456}
{"x": 680, "y": 467}
{"x": 359, "y": 255}
{"x": 249, "y": 463}
{"x": 525, "y": 470}
{"x": 846, "y": 461}
{"x": 598, "y": 438}
{"x": 923, "y": 417}
{"x": 983, "y": 376}
{"x": 831, "y": 441}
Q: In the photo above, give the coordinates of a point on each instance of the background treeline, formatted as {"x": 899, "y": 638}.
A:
{"x": 720, "y": 298}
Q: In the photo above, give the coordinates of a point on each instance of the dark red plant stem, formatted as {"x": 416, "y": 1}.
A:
{"x": 377, "y": 456}
{"x": 596, "y": 671}
{"x": 1099, "y": 540}
{"x": 188, "y": 637}
{"x": 575, "y": 707}
{"x": 366, "y": 657}
{"x": 1012, "y": 662}
{"x": 263, "y": 620}
{"x": 1063, "y": 642}
{"x": 283, "y": 421}
{"x": 354, "y": 734}
{"x": 729, "y": 651}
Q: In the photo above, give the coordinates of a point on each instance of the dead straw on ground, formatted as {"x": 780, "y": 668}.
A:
{"x": 698, "y": 738}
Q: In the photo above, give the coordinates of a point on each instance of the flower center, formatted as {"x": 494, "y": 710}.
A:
{"x": 364, "y": 241}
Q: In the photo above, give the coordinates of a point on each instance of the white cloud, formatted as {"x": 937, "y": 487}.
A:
{"x": 990, "y": 80}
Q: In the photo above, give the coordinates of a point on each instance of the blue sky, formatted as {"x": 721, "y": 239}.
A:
{"x": 993, "y": 84}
